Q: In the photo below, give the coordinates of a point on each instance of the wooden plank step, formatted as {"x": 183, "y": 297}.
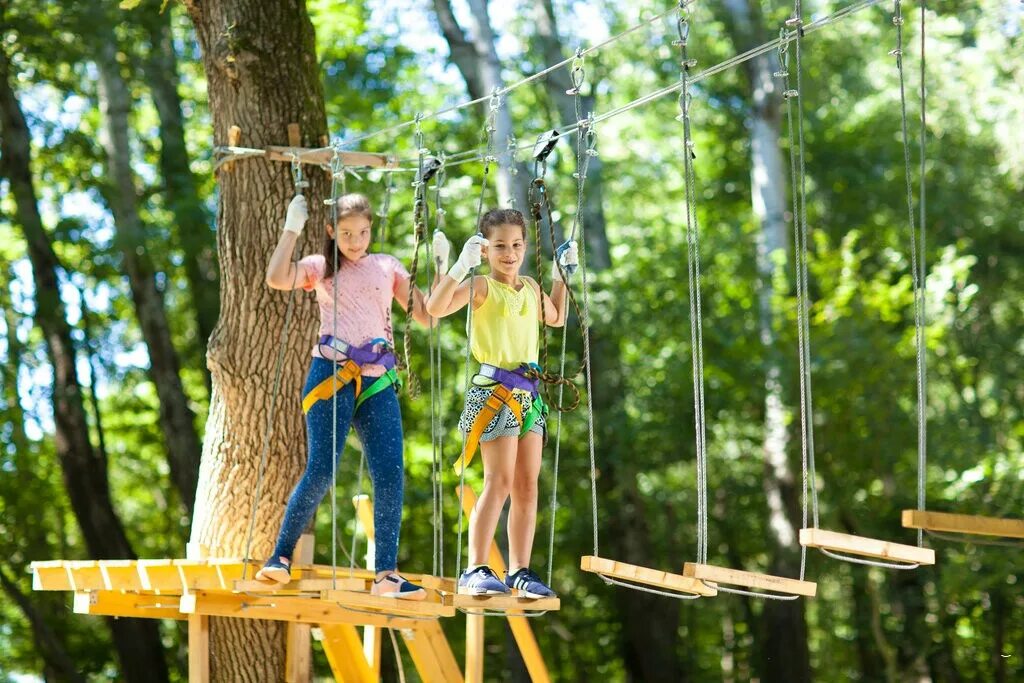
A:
{"x": 644, "y": 575}
{"x": 866, "y": 547}
{"x": 755, "y": 580}
{"x": 300, "y": 586}
{"x": 286, "y": 608}
{"x": 505, "y": 602}
{"x": 963, "y": 524}
{"x": 435, "y": 605}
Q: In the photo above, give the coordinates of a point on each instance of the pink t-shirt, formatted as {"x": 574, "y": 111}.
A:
{"x": 365, "y": 290}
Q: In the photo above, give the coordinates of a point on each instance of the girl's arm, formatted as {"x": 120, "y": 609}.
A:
{"x": 449, "y": 295}
{"x": 554, "y": 312}
{"x": 281, "y": 271}
{"x": 419, "y": 309}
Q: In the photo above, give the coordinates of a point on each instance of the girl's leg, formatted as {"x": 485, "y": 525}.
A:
{"x": 499, "y": 458}
{"x": 316, "y": 480}
{"x": 522, "y": 514}
{"x": 378, "y": 422}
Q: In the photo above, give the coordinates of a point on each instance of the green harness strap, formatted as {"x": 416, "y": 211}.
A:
{"x": 389, "y": 378}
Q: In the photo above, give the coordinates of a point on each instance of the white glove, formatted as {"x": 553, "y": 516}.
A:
{"x": 441, "y": 250}
{"x": 568, "y": 257}
{"x": 297, "y": 215}
{"x": 469, "y": 258}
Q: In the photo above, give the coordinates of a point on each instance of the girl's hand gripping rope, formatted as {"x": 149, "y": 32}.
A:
{"x": 441, "y": 250}
{"x": 297, "y": 215}
{"x": 469, "y": 258}
{"x": 567, "y": 256}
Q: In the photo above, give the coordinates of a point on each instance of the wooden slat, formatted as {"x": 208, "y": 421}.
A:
{"x": 352, "y": 159}
{"x": 285, "y": 608}
{"x": 344, "y": 653}
{"x": 963, "y": 524}
{"x": 644, "y": 575}
{"x": 433, "y": 606}
{"x": 299, "y": 586}
{"x": 198, "y": 648}
{"x": 121, "y": 575}
{"x": 505, "y": 602}
{"x": 87, "y": 575}
{"x": 118, "y": 604}
{"x": 866, "y": 547}
{"x": 49, "y": 575}
{"x": 431, "y": 654}
{"x": 755, "y": 580}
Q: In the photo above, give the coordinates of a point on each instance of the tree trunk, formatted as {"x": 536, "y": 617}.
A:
{"x": 192, "y": 224}
{"x": 785, "y": 624}
{"x": 262, "y": 73}
{"x": 477, "y": 61}
{"x": 176, "y": 418}
{"x": 84, "y": 469}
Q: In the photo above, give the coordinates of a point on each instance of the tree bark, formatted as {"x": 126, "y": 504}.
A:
{"x": 192, "y": 224}
{"x": 84, "y": 469}
{"x": 785, "y": 624}
{"x": 176, "y": 418}
{"x": 262, "y": 73}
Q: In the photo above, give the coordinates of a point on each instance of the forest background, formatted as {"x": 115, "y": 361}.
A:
{"x": 114, "y": 277}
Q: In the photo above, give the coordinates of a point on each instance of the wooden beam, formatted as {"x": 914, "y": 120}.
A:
{"x": 437, "y": 606}
{"x": 298, "y": 648}
{"x": 371, "y": 635}
{"x": 963, "y": 524}
{"x": 529, "y": 649}
{"x": 198, "y": 648}
{"x": 344, "y": 653}
{"x": 118, "y": 604}
{"x": 866, "y": 547}
{"x": 754, "y": 580}
{"x": 643, "y": 575}
{"x": 324, "y": 156}
{"x": 431, "y": 654}
{"x": 284, "y": 608}
{"x": 475, "y": 648}
{"x": 505, "y": 602}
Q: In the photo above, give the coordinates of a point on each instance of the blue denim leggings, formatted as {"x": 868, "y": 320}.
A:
{"x": 378, "y": 422}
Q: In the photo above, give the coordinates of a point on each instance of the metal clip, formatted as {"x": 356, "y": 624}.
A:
{"x": 790, "y": 94}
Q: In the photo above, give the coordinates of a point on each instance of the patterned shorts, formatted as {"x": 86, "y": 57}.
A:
{"x": 505, "y": 422}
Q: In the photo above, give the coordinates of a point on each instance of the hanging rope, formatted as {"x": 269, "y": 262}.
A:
{"x": 488, "y": 158}
{"x": 436, "y": 404}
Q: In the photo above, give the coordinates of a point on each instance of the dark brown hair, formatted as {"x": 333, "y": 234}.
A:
{"x": 352, "y": 204}
{"x": 496, "y": 217}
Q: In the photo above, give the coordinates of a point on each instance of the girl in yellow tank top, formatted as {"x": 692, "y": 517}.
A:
{"x": 504, "y": 337}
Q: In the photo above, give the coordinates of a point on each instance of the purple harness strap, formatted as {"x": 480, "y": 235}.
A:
{"x": 363, "y": 355}
{"x": 514, "y": 379}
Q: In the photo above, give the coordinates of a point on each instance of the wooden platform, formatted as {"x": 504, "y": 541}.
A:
{"x": 963, "y": 524}
{"x": 646, "y": 576}
{"x": 511, "y": 603}
{"x": 865, "y": 547}
{"x": 753, "y": 580}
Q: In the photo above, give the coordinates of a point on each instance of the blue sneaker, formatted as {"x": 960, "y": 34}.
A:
{"x": 394, "y": 586}
{"x": 481, "y": 581}
{"x": 277, "y": 570}
{"x": 529, "y": 585}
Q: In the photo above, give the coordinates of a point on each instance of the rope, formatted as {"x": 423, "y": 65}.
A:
{"x": 488, "y": 138}
{"x": 436, "y": 404}
{"x": 644, "y": 589}
{"x": 335, "y": 167}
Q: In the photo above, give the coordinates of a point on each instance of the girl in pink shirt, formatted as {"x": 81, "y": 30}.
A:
{"x": 353, "y": 365}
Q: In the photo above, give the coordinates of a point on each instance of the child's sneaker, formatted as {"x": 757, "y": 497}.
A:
{"x": 528, "y": 584}
{"x": 277, "y": 570}
{"x": 394, "y": 586}
{"x": 481, "y": 581}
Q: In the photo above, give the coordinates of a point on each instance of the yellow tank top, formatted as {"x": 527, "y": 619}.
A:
{"x": 506, "y": 329}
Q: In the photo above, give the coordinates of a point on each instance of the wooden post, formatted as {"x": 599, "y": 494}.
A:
{"x": 198, "y": 648}
{"x": 234, "y": 138}
{"x": 298, "y": 653}
{"x": 371, "y": 634}
{"x": 294, "y": 135}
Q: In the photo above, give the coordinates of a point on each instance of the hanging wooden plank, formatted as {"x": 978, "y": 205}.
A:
{"x": 300, "y": 586}
{"x": 434, "y": 606}
{"x": 644, "y": 575}
{"x": 505, "y": 602}
{"x": 344, "y": 652}
{"x": 324, "y": 156}
{"x": 866, "y": 547}
{"x": 754, "y": 580}
{"x": 431, "y": 654}
{"x": 963, "y": 524}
